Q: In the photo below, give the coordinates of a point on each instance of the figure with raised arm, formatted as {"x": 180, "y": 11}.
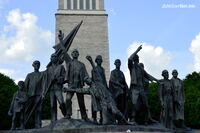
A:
{"x": 138, "y": 74}
{"x": 100, "y": 69}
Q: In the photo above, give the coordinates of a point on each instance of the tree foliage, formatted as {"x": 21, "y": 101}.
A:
{"x": 7, "y": 89}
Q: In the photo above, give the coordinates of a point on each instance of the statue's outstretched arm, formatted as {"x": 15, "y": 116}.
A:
{"x": 135, "y": 53}
{"x": 89, "y": 58}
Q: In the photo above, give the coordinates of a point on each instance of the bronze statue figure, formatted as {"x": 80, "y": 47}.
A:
{"x": 33, "y": 85}
{"x": 56, "y": 71}
{"x": 101, "y": 71}
{"x": 166, "y": 100}
{"x": 17, "y": 106}
{"x": 75, "y": 74}
{"x": 138, "y": 75}
{"x": 178, "y": 98}
{"x": 118, "y": 87}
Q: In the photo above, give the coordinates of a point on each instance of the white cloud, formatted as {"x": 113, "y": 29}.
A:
{"x": 155, "y": 59}
{"x": 19, "y": 79}
{"x": 8, "y": 72}
{"x": 23, "y": 39}
{"x": 195, "y": 49}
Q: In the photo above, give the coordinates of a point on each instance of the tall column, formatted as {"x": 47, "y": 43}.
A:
{"x": 72, "y": 4}
{"x": 84, "y": 4}
{"x": 65, "y": 4}
{"x": 97, "y": 4}
{"x": 90, "y": 3}
{"x": 101, "y": 4}
{"x": 78, "y": 4}
{"x": 61, "y": 4}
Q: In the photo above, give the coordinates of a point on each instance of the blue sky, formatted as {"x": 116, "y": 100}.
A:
{"x": 171, "y": 36}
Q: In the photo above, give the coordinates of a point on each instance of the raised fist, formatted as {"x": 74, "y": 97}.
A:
{"x": 89, "y": 58}
{"x": 60, "y": 35}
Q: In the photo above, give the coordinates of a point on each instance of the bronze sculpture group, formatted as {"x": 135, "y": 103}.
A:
{"x": 110, "y": 100}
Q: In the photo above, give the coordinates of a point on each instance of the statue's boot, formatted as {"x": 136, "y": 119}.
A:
{"x": 152, "y": 121}
{"x": 95, "y": 121}
{"x": 63, "y": 109}
{"x": 123, "y": 121}
{"x": 132, "y": 120}
{"x": 87, "y": 119}
{"x": 22, "y": 127}
{"x": 13, "y": 127}
{"x": 184, "y": 126}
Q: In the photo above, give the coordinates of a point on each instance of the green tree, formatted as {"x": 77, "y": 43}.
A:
{"x": 192, "y": 99}
{"x": 7, "y": 89}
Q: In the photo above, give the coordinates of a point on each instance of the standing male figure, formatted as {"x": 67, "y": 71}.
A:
{"x": 33, "y": 84}
{"x": 178, "y": 98}
{"x": 138, "y": 74}
{"x": 56, "y": 71}
{"x": 75, "y": 74}
{"x": 101, "y": 72}
{"x": 118, "y": 87}
{"x": 166, "y": 100}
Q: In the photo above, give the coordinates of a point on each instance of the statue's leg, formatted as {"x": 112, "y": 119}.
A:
{"x": 134, "y": 99}
{"x": 53, "y": 106}
{"x": 38, "y": 110}
{"x": 94, "y": 115}
{"x": 145, "y": 107}
{"x": 22, "y": 126}
{"x": 105, "y": 119}
{"x": 101, "y": 117}
{"x": 81, "y": 103}
{"x": 60, "y": 99}
{"x": 121, "y": 103}
{"x": 69, "y": 96}
{"x": 13, "y": 127}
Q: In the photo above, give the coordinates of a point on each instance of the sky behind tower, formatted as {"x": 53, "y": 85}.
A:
{"x": 168, "y": 30}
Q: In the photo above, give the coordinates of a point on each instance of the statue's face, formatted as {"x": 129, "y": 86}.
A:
{"x": 99, "y": 61}
{"x": 165, "y": 75}
{"x": 21, "y": 85}
{"x": 75, "y": 54}
{"x": 136, "y": 60}
{"x": 175, "y": 74}
{"x": 54, "y": 59}
{"x": 117, "y": 63}
{"x": 36, "y": 65}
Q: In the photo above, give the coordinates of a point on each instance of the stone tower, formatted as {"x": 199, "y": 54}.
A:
{"x": 92, "y": 37}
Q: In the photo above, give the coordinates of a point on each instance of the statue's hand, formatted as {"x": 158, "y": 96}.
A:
{"x": 64, "y": 90}
{"x": 140, "y": 47}
{"x": 89, "y": 58}
{"x": 60, "y": 35}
